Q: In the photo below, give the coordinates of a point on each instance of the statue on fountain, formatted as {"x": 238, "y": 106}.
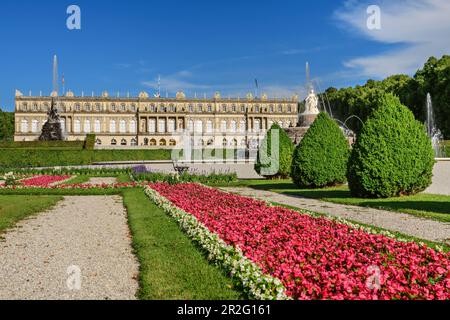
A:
{"x": 51, "y": 131}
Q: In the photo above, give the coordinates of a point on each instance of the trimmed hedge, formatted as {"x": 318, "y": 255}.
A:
{"x": 392, "y": 155}
{"x": 89, "y": 143}
{"x": 64, "y": 145}
{"x": 320, "y": 160}
{"x": 274, "y": 166}
{"x": 25, "y": 158}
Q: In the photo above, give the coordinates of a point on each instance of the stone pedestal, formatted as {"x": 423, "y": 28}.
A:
{"x": 296, "y": 134}
{"x": 307, "y": 119}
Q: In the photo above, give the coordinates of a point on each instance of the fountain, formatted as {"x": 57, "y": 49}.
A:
{"x": 51, "y": 131}
{"x": 433, "y": 132}
{"x": 309, "y": 115}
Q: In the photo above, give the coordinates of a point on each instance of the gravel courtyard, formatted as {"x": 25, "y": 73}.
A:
{"x": 42, "y": 257}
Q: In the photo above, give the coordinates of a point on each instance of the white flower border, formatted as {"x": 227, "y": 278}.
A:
{"x": 255, "y": 283}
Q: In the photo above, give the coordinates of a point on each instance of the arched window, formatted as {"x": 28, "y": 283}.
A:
{"x": 77, "y": 126}
{"x": 123, "y": 142}
{"x": 235, "y": 143}
{"x": 97, "y": 126}
{"x": 152, "y": 126}
{"x": 134, "y": 142}
{"x": 87, "y": 126}
{"x": 122, "y": 126}
{"x": 34, "y": 126}
{"x": 210, "y": 142}
{"x": 162, "y": 142}
{"x": 113, "y": 142}
{"x": 133, "y": 126}
{"x": 153, "y": 142}
{"x": 224, "y": 142}
{"x": 98, "y": 142}
{"x": 24, "y": 126}
{"x": 172, "y": 143}
{"x": 112, "y": 126}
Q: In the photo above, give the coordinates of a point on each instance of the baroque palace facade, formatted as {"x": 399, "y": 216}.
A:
{"x": 148, "y": 122}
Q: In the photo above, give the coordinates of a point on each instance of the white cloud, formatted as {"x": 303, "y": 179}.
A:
{"x": 419, "y": 27}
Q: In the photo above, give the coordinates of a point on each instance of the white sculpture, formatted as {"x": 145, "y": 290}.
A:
{"x": 312, "y": 103}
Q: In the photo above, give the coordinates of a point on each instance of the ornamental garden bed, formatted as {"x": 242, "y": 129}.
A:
{"x": 313, "y": 257}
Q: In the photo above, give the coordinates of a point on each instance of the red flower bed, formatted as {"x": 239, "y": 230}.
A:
{"x": 316, "y": 258}
{"x": 43, "y": 181}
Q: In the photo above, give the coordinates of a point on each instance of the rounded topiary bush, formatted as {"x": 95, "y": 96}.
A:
{"x": 275, "y": 164}
{"x": 392, "y": 155}
{"x": 320, "y": 159}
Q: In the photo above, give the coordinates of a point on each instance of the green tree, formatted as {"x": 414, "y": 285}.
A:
{"x": 6, "y": 126}
{"x": 275, "y": 154}
{"x": 320, "y": 159}
{"x": 392, "y": 155}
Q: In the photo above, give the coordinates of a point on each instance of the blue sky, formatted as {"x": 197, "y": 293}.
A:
{"x": 207, "y": 46}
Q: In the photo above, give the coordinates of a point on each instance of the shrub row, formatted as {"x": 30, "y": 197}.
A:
{"x": 42, "y": 144}
{"x": 210, "y": 179}
{"x": 27, "y": 158}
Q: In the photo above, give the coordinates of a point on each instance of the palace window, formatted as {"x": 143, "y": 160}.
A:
{"x": 122, "y": 126}
{"x": 242, "y": 108}
{"x": 162, "y": 125}
{"x": 112, "y": 126}
{"x": 191, "y": 108}
{"x": 133, "y": 108}
{"x": 133, "y": 126}
{"x": 242, "y": 126}
{"x": 97, "y": 107}
{"x": 87, "y": 107}
{"x": 289, "y": 109}
{"x": 77, "y": 107}
{"x": 257, "y": 109}
{"x": 209, "y": 126}
{"x": 223, "y": 126}
{"x": 191, "y": 126}
{"x": 233, "y": 126}
{"x": 271, "y": 109}
{"x": 63, "y": 125}
{"x": 123, "y": 142}
{"x": 257, "y": 125}
{"x": 280, "y": 108}
{"x": 35, "y": 107}
{"x": 113, "y": 142}
{"x": 224, "y": 108}
{"x": 77, "y": 126}
{"x": 134, "y": 142}
{"x": 152, "y": 126}
{"x": 199, "y": 126}
{"x": 209, "y": 108}
{"x": 34, "y": 126}
{"x": 172, "y": 143}
{"x": 122, "y": 107}
{"x": 153, "y": 142}
{"x": 162, "y": 142}
{"x": 98, "y": 142}
{"x": 113, "y": 107}
{"x": 171, "y": 125}
{"x": 97, "y": 126}
{"x": 24, "y": 126}
{"x": 87, "y": 126}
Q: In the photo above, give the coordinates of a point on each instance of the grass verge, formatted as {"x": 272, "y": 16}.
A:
{"x": 171, "y": 266}
{"x": 430, "y": 206}
{"x": 14, "y": 208}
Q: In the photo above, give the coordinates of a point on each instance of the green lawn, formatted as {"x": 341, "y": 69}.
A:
{"x": 430, "y": 206}
{"x": 14, "y": 208}
{"x": 171, "y": 266}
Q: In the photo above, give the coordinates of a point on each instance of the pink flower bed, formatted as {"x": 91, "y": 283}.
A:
{"x": 316, "y": 258}
{"x": 43, "y": 181}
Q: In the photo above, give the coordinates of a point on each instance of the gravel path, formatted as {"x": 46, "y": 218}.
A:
{"x": 102, "y": 180}
{"x": 394, "y": 221}
{"x": 40, "y": 259}
{"x": 441, "y": 179}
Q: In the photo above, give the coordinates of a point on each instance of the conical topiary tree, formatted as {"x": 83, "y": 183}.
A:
{"x": 392, "y": 155}
{"x": 275, "y": 154}
{"x": 320, "y": 159}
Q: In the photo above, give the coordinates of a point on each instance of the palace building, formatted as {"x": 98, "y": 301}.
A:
{"x": 147, "y": 122}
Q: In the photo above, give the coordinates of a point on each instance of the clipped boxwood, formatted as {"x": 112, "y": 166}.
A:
{"x": 320, "y": 159}
{"x": 392, "y": 155}
{"x": 277, "y": 165}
